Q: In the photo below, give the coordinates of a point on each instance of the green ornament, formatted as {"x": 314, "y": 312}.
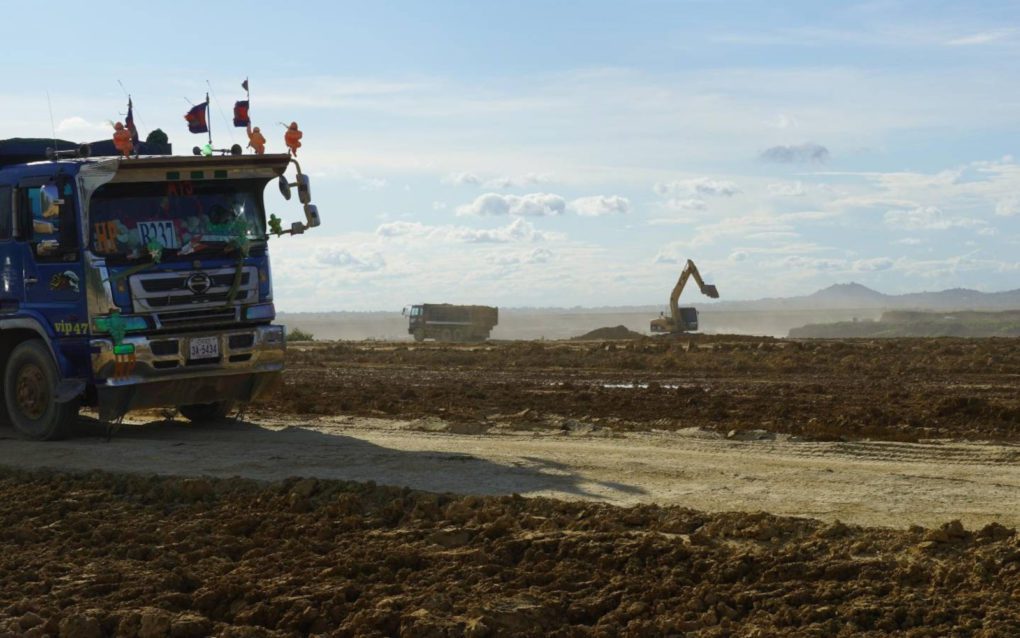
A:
{"x": 117, "y": 327}
{"x": 275, "y": 225}
{"x": 207, "y": 150}
{"x": 155, "y": 250}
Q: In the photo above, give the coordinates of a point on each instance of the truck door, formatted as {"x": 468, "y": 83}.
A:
{"x": 48, "y": 250}
{"x": 11, "y": 290}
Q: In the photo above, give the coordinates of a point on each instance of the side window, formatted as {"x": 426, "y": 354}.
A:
{"x": 45, "y": 224}
{"x": 6, "y": 212}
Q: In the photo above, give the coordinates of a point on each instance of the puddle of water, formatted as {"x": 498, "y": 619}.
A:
{"x": 638, "y": 386}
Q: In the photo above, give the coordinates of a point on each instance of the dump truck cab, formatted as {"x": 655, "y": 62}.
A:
{"x": 134, "y": 283}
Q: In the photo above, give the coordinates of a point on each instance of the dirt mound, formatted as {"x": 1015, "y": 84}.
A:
{"x": 609, "y": 334}
{"x": 103, "y": 554}
{"x": 828, "y": 390}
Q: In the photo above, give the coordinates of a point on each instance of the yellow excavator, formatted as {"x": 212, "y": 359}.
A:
{"x": 683, "y": 319}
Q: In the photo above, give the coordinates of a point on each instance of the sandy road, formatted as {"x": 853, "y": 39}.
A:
{"x": 869, "y": 483}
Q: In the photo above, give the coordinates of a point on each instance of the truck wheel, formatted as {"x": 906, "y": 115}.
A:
{"x": 29, "y": 387}
{"x": 207, "y": 412}
{"x": 419, "y": 335}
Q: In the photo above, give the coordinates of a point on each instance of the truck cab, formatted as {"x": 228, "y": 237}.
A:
{"x": 130, "y": 283}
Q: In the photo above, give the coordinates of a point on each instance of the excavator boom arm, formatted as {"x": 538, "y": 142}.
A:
{"x": 690, "y": 270}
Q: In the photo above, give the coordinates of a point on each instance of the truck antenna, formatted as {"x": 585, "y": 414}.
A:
{"x": 128, "y": 96}
{"x": 53, "y": 126}
{"x": 219, "y": 107}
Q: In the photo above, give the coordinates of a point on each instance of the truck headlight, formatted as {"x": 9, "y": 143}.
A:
{"x": 274, "y": 335}
{"x": 260, "y": 311}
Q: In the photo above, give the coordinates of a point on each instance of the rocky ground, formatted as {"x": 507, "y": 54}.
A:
{"x": 893, "y": 389}
{"x": 104, "y": 554}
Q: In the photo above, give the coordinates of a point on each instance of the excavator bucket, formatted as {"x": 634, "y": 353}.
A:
{"x": 710, "y": 291}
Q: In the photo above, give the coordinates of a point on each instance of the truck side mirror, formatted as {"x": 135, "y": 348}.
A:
{"x": 312, "y": 215}
{"x": 304, "y": 188}
{"x": 49, "y": 201}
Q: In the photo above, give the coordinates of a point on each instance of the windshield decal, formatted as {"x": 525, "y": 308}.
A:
{"x": 163, "y": 232}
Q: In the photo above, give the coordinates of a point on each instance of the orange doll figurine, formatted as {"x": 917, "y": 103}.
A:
{"x": 256, "y": 140}
{"x": 122, "y": 139}
{"x": 293, "y": 138}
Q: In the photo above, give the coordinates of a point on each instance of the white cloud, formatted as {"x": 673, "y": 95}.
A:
{"x": 598, "y": 205}
{"x": 796, "y": 154}
{"x": 345, "y": 259}
{"x": 799, "y": 262}
{"x": 685, "y": 204}
{"x": 872, "y": 265}
{"x": 787, "y": 189}
{"x": 367, "y": 183}
{"x": 519, "y": 181}
{"x": 400, "y": 229}
{"x": 983, "y": 37}
{"x": 927, "y": 218}
{"x": 1009, "y": 207}
{"x": 701, "y": 186}
{"x": 462, "y": 179}
{"x": 909, "y": 241}
{"x": 667, "y": 258}
{"x": 535, "y": 256}
{"x": 518, "y": 230}
{"x": 81, "y": 126}
{"x": 438, "y": 205}
{"x": 532, "y": 205}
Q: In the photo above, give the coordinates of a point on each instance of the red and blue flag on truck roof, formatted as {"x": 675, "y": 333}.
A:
{"x": 241, "y": 118}
{"x": 196, "y": 118}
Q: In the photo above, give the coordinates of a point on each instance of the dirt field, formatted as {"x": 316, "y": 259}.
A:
{"x": 902, "y": 389}
{"x": 555, "y": 489}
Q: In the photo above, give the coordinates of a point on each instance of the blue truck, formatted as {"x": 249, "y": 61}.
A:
{"x": 139, "y": 282}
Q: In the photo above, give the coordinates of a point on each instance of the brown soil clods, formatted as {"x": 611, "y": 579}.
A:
{"x": 112, "y": 555}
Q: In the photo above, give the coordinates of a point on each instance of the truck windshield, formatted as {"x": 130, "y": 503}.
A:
{"x": 183, "y": 217}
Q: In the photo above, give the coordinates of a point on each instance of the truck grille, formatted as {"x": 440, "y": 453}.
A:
{"x": 168, "y": 292}
{"x": 209, "y": 317}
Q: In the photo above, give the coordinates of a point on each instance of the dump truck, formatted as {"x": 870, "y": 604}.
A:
{"x": 136, "y": 282}
{"x": 449, "y": 322}
{"x": 683, "y": 319}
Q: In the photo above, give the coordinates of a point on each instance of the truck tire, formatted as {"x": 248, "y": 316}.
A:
{"x": 207, "y": 412}
{"x": 30, "y": 382}
{"x": 419, "y": 335}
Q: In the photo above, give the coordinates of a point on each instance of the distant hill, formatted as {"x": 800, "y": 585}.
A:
{"x": 854, "y": 295}
{"x": 904, "y": 323}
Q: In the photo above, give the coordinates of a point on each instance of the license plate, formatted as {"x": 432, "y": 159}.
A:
{"x": 204, "y": 348}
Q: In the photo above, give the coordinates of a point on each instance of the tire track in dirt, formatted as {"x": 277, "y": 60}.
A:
{"x": 869, "y": 483}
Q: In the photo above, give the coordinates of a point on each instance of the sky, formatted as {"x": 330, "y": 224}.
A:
{"x": 568, "y": 153}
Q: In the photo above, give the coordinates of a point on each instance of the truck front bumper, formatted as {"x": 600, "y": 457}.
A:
{"x": 160, "y": 373}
